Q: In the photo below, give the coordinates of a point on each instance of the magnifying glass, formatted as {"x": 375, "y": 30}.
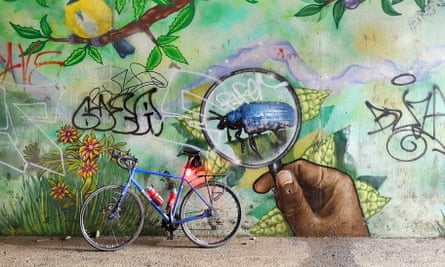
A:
{"x": 252, "y": 118}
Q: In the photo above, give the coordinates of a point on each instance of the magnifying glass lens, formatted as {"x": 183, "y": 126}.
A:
{"x": 251, "y": 117}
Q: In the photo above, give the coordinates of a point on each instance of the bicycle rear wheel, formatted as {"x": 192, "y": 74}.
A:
{"x": 109, "y": 222}
{"x": 225, "y": 219}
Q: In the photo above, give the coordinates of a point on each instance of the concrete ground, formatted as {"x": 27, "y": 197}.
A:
{"x": 241, "y": 251}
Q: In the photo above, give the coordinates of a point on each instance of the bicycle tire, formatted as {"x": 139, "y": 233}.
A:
{"x": 215, "y": 230}
{"x": 107, "y": 234}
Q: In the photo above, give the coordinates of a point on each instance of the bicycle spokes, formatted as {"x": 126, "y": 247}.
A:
{"x": 110, "y": 221}
{"x": 223, "y": 217}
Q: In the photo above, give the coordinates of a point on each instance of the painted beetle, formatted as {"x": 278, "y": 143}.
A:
{"x": 256, "y": 118}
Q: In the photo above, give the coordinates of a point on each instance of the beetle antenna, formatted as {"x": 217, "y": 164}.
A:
{"x": 218, "y": 116}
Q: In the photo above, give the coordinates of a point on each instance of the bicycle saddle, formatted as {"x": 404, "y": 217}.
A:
{"x": 194, "y": 157}
{"x": 191, "y": 152}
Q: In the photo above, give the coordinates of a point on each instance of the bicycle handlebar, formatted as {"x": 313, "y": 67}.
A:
{"x": 124, "y": 161}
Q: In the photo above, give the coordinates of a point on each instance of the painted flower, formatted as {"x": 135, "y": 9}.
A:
{"x": 90, "y": 148}
{"x": 68, "y": 134}
{"x": 89, "y": 168}
{"x": 59, "y": 191}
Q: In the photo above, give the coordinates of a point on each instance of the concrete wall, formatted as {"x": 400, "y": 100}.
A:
{"x": 363, "y": 146}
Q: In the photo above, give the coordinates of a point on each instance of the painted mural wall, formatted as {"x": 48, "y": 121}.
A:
{"x": 341, "y": 100}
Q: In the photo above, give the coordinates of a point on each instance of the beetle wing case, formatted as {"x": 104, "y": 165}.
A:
{"x": 258, "y": 117}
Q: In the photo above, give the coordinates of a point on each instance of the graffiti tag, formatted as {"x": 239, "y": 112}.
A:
{"x": 409, "y": 142}
{"x": 27, "y": 65}
{"x": 245, "y": 91}
{"x": 130, "y": 110}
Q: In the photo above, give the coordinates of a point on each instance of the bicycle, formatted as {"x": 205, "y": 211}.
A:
{"x": 209, "y": 214}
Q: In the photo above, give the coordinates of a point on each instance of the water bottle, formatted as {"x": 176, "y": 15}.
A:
{"x": 171, "y": 199}
{"x": 155, "y": 195}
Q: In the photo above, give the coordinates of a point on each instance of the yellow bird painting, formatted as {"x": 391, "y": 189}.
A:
{"x": 91, "y": 19}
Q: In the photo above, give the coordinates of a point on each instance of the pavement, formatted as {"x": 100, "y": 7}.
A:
{"x": 241, "y": 251}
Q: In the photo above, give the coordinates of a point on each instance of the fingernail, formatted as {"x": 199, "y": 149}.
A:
{"x": 284, "y": 177}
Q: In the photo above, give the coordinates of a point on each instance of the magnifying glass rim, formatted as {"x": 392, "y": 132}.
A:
{"x": 297, "y": 107}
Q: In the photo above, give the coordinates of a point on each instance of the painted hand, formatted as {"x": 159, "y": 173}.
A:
{"x": 316, "y": 200}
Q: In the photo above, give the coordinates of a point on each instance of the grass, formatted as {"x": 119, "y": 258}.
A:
{"x": 36, "y": 212}
{"x": 441, "y": 228}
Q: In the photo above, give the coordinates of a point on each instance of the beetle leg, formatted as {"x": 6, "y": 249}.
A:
{"x": 238, "y": 137}
{"x": 229, "y": 138}
{"x": 253, "y": 145}
{"x": 281, "y": 135}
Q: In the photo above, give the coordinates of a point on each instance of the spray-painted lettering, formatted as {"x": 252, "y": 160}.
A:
{"x": 131, "y": 110}
{"x": 27, "y": 65}
{"x": 409, "y": 142}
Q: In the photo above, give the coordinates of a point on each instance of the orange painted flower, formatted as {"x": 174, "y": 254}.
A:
{"x": 59, "y": 191}
{"x": 89, "y": 168}
{"x": 68, "y": 134}
{"x": 90, "y": 149}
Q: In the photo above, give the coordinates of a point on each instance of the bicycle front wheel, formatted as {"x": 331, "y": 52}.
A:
{"x": 110, "y": 221}
{"x": 224, "y": 215}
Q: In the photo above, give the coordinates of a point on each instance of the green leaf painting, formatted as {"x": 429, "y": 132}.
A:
{"x": 27, "y": 32}
{"x": 76, "y": 56}
{"x": 154, "y": 58}
{"x": 183, "y": 19}
{"x": 44, "y": 26}
{"x": 173, "y": 52}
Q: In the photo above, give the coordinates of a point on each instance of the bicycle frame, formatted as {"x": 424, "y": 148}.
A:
{"x": 183, "y": 180}
{"x": 113, "y": 215}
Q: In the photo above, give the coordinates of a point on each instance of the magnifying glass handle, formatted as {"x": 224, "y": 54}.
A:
{"x": 274, "y": 168}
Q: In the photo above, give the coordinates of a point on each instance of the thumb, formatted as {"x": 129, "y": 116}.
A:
{"x": 290, "y": 198}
